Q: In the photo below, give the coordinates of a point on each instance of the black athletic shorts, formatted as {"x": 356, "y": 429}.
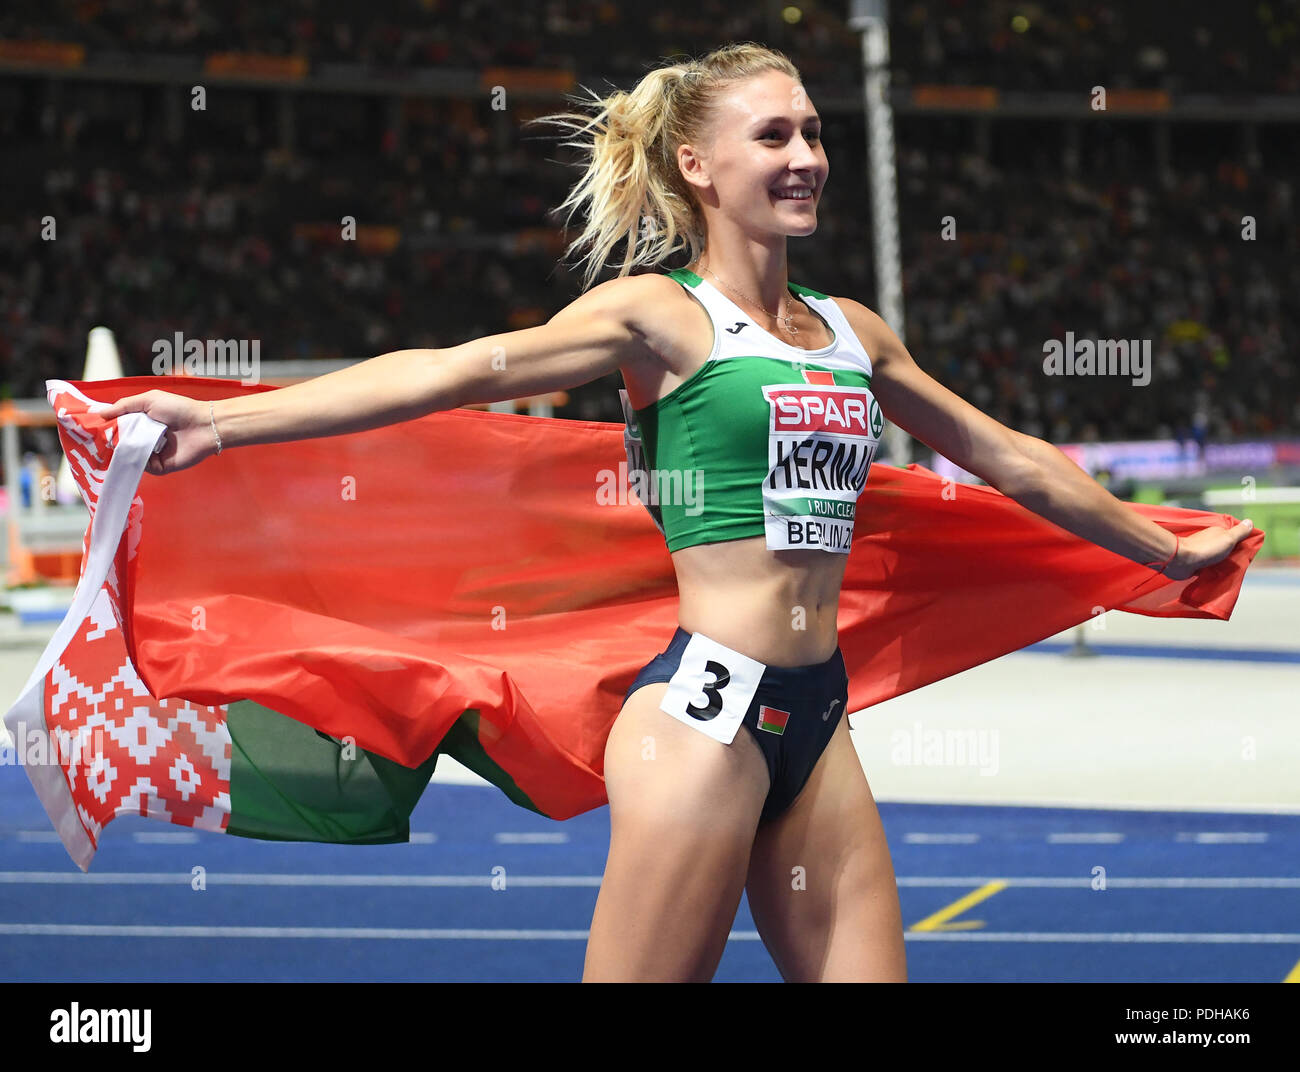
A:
{"x": 793, "y": 712}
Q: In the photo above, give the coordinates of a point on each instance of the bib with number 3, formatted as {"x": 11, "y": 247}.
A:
{"x": 712, "y": 688}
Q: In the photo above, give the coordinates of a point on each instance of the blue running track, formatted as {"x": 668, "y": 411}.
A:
{"x": 1188, "y": 897}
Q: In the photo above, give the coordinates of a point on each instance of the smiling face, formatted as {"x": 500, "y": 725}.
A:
{"x": 762, "y": 164}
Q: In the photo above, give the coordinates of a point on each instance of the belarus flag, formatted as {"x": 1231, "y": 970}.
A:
{"x": 280, "y": 641}
{"x": 772, "y": 719}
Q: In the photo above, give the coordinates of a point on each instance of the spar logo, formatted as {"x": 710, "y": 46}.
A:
{"x": 845, "y": 411}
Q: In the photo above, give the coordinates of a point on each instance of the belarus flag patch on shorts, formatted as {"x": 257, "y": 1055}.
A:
{"x": 772, "y": 720}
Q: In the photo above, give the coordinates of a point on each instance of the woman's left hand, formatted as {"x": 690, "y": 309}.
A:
{"x": 1204, "y": 548}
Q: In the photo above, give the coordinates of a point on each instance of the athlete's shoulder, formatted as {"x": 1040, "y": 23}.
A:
{"x": 862, "y": 320}
{"x": 634, "y": 296}
{"x": 652, "y": 304}
{"x": 868, "y": 325}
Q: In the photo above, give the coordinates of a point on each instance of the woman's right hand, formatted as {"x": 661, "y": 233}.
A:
{"x": 188, "y": 439}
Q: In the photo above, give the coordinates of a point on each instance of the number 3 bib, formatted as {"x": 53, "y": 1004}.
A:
{"x": 712, "y": 688}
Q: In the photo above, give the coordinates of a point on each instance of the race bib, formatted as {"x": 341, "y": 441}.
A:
{"x": 822, "y": 439}
{"x": 712, "y": 688}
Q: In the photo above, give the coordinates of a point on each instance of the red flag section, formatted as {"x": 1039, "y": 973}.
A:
{"x": 459, "y": 583}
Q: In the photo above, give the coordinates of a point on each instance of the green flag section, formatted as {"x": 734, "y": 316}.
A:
{"x": 289, "y": 782}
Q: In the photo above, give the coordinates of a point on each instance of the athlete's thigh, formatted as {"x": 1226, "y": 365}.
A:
{"x": 821, "y": 884}
{"x": 683, "y": 810}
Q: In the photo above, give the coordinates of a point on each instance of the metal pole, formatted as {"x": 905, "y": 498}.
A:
{"x": 870, "y": 19}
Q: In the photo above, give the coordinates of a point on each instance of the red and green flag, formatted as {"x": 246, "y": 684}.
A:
{"x": 282, "y": 640}
{"x": 771, "y": 719}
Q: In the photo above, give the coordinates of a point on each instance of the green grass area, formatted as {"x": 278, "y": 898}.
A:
{"x": 1281, "y": 525}
{"x": 1280, "y": 521}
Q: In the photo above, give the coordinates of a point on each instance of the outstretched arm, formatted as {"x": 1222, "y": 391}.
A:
{"x": 1029, "y": 470}
{"x": 592, "y": 336}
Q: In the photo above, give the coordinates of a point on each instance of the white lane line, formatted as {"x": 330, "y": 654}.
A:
{"x": 99, "y": 930}
{"x": 941, "y": 839}
{"x": 1208, "y": 837}
{"x": 1076, "y": 936}
{"x": 1222, "y": 837}
{"x": 1084, "y": 839}
{"x": 558, "y": 838}
{"x": 96, "y": 930}
{"x": 1085, "y": 882}
{"x": 219, "y": 878}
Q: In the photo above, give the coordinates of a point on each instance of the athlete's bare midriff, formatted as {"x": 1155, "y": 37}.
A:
{"x": 778, "y": 607}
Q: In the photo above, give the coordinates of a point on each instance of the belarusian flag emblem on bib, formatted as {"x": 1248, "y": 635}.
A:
{"x": 826, "y": 379}
{"x": 772, "y": 720}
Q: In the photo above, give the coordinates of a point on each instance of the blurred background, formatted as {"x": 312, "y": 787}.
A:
{"x": 1023, "y": 212}
{"x": 223, "y": 222}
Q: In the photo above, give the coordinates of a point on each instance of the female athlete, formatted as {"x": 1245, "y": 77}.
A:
{"x": 772, "y": 392}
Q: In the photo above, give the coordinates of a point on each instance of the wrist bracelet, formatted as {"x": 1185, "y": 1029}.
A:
{"x": 212, "y": 417}
{"x": 1162, "y": 565}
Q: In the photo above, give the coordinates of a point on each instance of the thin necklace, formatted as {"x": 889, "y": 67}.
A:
{"x": 787, "y": 319}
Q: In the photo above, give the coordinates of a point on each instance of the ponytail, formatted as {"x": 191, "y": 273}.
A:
{"x": 631, "y": 188}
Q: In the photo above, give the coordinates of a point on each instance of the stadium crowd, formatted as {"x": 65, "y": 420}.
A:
{"x": 221, "y": 229}
{"x": 1202, "y": 45}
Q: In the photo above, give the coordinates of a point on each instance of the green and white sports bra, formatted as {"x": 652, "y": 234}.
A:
{"x": 763, "y": 439}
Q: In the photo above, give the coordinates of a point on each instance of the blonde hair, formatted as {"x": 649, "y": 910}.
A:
{"x": 631, "y": 177}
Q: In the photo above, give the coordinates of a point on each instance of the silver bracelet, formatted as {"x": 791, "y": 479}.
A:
{"x": 213, "y": 419}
